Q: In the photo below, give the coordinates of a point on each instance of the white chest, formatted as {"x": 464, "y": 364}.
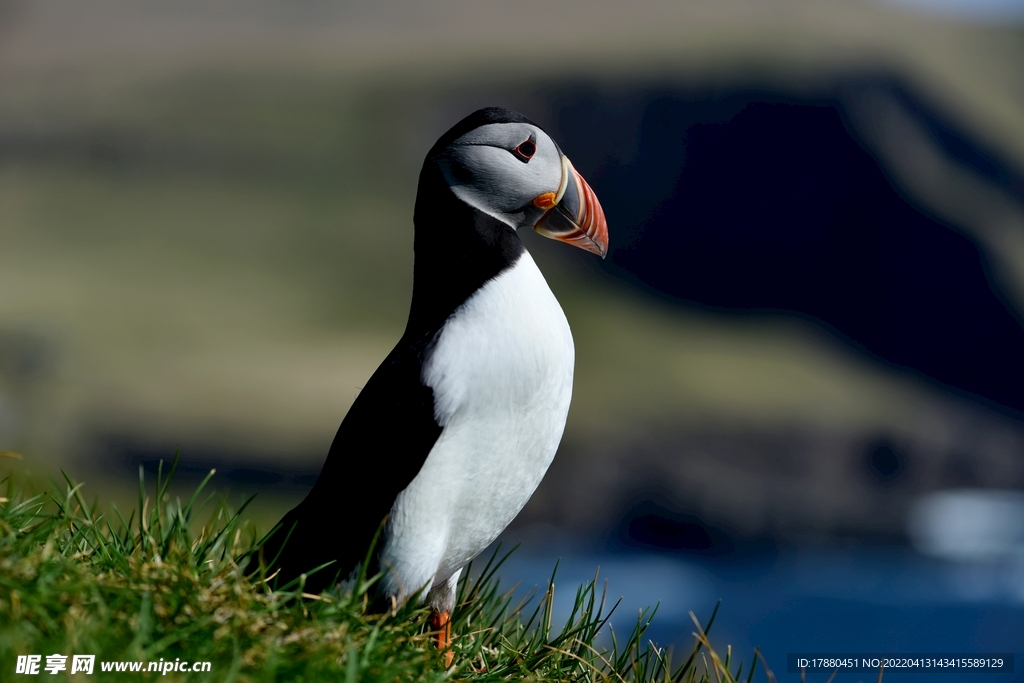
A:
{"x": 501, "y": 372}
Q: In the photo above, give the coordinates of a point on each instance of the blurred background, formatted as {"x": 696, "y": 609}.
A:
{"x": 800, "y": 371}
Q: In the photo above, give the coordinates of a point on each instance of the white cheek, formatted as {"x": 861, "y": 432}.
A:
{"x": 500, "y": 185}
{"x": 483, "y": 201}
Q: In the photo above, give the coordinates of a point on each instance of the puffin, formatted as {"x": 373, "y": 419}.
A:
{"x": 453, "y": 432}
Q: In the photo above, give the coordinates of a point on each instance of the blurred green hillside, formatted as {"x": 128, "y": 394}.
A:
{"x": 206, "y": 223}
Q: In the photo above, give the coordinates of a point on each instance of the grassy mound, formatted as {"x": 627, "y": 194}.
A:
{"x": 160, "y": 588}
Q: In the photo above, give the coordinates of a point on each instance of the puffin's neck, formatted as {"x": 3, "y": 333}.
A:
{"x": 457, "y": 249}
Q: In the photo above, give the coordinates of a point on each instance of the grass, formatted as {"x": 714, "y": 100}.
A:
{"x": 159, "y": 586}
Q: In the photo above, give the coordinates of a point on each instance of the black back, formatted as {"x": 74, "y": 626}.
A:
{"x": 384, "y": 440}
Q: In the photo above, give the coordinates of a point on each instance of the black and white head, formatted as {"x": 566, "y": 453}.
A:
{"x": 503, "y": 165}
{"x": 491, "y": 174}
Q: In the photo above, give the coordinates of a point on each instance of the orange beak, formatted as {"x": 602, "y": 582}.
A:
{"x": 574, "y": 215}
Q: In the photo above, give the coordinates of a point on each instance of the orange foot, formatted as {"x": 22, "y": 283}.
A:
{"x": 442, "y": 623}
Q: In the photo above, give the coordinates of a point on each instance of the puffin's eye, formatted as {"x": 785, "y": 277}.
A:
{"x": 525, "y": 151}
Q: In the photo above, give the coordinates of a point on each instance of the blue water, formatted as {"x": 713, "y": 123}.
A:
{"x": 820, "y": 600}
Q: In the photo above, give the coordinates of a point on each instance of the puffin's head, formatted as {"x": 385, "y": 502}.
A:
{"x": 502, "y": 164}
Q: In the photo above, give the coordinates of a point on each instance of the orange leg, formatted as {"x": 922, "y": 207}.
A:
{"x": 442, "y": 623}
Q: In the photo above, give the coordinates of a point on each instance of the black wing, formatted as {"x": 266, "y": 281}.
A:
{"x": 380, "y": 447}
